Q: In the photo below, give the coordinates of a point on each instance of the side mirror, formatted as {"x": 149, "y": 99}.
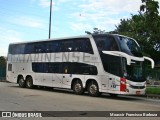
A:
{"x": 149, "y": 59}
{"x": 128, "y": 57}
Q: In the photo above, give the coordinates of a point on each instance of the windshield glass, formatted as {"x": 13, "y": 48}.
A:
{"x": 134, "y": 72}
{"x": 129, "y": 46}
{"x": 114, "y": 64}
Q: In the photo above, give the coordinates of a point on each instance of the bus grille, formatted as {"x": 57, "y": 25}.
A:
{"x": 137, "y": 87}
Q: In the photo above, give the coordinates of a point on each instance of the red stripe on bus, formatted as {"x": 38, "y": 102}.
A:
{"x": 123, "y": 85}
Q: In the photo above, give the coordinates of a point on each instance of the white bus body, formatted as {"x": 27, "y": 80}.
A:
{"x": 79, "y": 63}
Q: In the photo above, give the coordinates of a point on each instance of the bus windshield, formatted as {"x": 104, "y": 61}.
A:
{"x": 113, "y": 64}
{"x": 129, "y": 46}
{"x": 134, "y": 72}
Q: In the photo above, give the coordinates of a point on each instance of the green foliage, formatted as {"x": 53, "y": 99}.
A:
{"x": 144, "y": 27}
{"x": 2, "y": 62}
{"x": 153, "y": 90}
{"x": 99, "y": 31}
{"x": 2, "y": 67}
{"x": 96, "y": 31}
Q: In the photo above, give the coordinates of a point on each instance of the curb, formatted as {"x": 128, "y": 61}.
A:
{"x": 153, "y": 96}
{"x": 4, "y": 81}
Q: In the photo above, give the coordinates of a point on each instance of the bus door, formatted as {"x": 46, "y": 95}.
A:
{"x": 67, "y": 75}
{"x": 11, "y": 76}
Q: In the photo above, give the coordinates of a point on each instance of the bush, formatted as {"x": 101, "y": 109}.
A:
{"x": 153, "y": 90}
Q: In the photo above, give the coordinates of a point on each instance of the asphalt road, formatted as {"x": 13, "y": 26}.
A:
{"x": 13, "y": 98}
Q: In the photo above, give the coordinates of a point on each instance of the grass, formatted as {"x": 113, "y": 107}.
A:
{"x": 153, "y": 90}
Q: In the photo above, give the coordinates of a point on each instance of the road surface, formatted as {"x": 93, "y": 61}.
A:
{"x": 13, "y": 98}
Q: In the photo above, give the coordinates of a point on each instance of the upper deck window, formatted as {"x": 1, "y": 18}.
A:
{"x": 65, "y": 45}
{"x": 106, "y": 43}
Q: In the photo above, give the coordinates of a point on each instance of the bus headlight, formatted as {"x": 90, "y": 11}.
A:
{"x": 127, "y": 84}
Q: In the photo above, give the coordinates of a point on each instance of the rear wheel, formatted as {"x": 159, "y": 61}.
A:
{"x": 93, "y": 89}
{"x": 21, "y": 82}
{"x": 78, "y": 87}
{"x": 29, "y": 83}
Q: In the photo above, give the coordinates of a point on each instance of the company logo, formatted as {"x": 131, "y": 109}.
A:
{"x": 21, "y": 114}
{"x": 6, "y": 114}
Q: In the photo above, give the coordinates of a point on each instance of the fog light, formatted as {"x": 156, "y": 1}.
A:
{"x": 128, "y": 84}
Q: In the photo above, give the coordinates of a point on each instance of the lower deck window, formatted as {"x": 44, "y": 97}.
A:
{"x": 65, "y": 68}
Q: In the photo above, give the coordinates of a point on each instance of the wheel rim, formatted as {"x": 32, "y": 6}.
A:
{"x": 93, "y": 89}
{"x": 21, "y": 82}
{"x": 78, "y": 87}
{"x": 29, "y": 83}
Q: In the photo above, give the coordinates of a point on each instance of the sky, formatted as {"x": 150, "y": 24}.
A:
{"x": 28, "y": 20}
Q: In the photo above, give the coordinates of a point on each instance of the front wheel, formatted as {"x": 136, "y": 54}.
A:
{"x": 93, "y": 89}
{"x": 78, "y": 87}
{"x": 29, "y": 83}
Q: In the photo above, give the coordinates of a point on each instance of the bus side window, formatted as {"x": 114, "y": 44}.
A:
{"x": 81, "y": 68}
{"x": 52, "y": 47}
{"x": 101, "y": 45}
{"x": 45, "y": 68}
{"x": 9, "y": 67}
{"x": 50, "y": 67}
{"x": 66, "y": 68}
{"x": 57, "y": 67}
{"x": 113, "y": 45}
{"x": 40, "y": 47}
{"x": 37, "y": 67}
{"x": 83, "y": 45}
{"x": 48, "y": 47}
{"x": 29, "y": 48}
{"x": 106, "y": 43}
{"x": 17, "y": 49}
{"x": 77, "y": 46}
{"x": 67, "y": 45}
{"x": 87, "y": 46}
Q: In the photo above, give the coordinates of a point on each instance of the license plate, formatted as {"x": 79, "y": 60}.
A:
{"x": 138, "y": 92}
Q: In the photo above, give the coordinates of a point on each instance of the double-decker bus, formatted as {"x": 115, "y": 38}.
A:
{"x": 104, "y": 63}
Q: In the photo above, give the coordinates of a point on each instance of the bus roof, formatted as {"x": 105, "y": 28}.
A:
{"x": 43, "y": 40}
{"x": 63, "y": 38}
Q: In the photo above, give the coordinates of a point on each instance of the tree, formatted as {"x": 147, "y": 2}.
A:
{"x": 152, "y": 20}
{"x": 2, "y": 67}
{"x": 96, "y": 31}
{"x": 144, "y": 27}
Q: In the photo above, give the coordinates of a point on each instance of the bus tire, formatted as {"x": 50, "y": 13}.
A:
{"x": 21, "y": 82}
{"x": 78, "y": 87}
{"x": 29, "y": 82}
{"x": 93, "y": 89}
